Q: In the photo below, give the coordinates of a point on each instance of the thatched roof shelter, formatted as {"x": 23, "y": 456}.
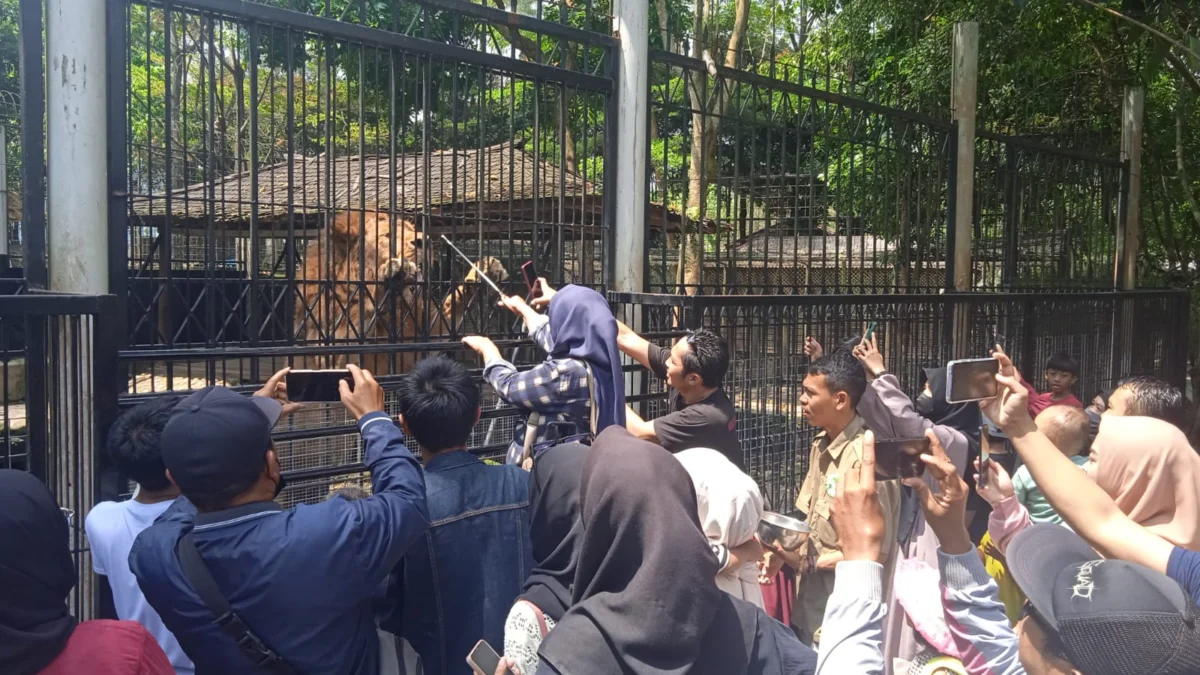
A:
{"x": 501, "y": 189}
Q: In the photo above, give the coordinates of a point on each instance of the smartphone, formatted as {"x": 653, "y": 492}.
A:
{"x": 985, "y": 443}
{"x": 900, "y": 457}
{"x": 870, "y": 332}
{"x": 483, "y": 658}
{"x": 971, "y": 379}
{"x": 316, "y": 386}
{"x": 529, "y": 270}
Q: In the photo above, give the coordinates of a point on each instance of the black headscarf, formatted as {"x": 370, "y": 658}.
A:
{"x": 645, "y": 595}
{"x": 554, "y": 527}
{"x": 36, "y": 575}
{"x": 962, "y": 416}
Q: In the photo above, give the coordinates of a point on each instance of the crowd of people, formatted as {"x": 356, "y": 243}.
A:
{"x": 1027, "y": 533}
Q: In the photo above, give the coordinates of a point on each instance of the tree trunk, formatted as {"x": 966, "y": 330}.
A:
{"x": 702, "y": 163}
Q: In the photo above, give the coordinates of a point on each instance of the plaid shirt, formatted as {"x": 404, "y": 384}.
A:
{"x": 556, "y": 389}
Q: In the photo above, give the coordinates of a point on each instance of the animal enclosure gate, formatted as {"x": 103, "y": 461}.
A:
{"x": 292, "y": 171}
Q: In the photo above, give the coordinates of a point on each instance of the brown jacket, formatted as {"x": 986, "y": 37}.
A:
{"x": 828, "y": 460}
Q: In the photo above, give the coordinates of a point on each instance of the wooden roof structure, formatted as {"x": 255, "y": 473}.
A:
{"x": 501, "y": 189}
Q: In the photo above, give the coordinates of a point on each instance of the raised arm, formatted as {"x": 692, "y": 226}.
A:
{"x": 1076, "y": 498}
{"x": 633, "y": 345}
{"x": 380, "y": 528}
{"x": 970, "y": 598}
{"x": 889, "y": 411}
{"x": 639, "y": 427}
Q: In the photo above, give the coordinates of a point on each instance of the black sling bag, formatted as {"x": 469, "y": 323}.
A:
{"x": 201, "y": 579}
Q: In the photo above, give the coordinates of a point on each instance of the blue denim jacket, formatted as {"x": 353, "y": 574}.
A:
{"x": 458, "y": 582}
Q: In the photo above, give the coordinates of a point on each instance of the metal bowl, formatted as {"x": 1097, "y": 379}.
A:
{"x": 778, "y": 530}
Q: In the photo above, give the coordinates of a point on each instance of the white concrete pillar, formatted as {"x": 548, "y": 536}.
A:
{"x": 76, "y": 142}
{"x": 631, "y": 24}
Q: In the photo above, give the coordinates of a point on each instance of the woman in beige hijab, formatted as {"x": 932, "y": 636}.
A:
{"x": 730, "y": 508}
{"x": 1151, "y": 471}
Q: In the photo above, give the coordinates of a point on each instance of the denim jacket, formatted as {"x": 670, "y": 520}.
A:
{"x": 456, "y": 585}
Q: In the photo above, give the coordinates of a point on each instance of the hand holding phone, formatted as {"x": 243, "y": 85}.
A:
{"x": 485, "y": 661}
{"x": 316, "y": 386}
{"x": 971, "y": 380}
{"x": 529, "y": 271}
{"x": 900, "y": 457}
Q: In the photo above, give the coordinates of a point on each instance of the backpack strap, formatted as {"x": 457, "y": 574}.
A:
{"x": 201, "y": 580}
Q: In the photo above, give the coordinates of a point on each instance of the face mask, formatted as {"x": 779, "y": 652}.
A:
{"x": 279, "y": 486}
{"x": 924, "y": 405}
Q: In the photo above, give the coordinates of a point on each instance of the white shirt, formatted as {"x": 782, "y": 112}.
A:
{"x": 111, "y": 528}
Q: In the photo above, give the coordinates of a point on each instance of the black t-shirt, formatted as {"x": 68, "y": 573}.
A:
{"x": 711, "y": 423}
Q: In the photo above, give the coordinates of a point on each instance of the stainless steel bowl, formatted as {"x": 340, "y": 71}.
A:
{"x": 778, "y": 530}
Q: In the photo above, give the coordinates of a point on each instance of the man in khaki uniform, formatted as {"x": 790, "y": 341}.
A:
{"x": 832, "y": 389}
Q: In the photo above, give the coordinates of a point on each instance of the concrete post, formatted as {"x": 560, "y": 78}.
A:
{"x": 1131, "y": 151}
{"x": 963, "y": 75}
{"x": 77, "y": 236}
{"x": 76, "y": 135}
{"x": 631, "y": 23}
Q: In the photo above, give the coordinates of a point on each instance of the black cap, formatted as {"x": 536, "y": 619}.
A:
{"x": 216, "y": 435}
{"x": 1113, "y": 617}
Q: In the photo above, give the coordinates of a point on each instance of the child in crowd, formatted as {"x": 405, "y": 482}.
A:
{"x": 1068, "y": 429}
{"x": 1062, "y": 373}
{"x": 134, "y": 445}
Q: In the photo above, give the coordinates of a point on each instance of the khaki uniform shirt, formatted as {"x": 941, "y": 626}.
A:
{"x": 827, "y": 462}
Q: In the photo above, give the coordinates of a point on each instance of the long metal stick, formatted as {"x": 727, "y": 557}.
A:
{"x": 475, "y": 267}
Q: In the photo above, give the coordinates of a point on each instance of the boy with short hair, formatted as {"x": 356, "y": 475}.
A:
{"x": 135, "y": 446}
{"x": 1068, "y": 429}
{"x": 1062, "y": 374}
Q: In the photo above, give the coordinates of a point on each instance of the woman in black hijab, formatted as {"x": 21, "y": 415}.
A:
{"x": 932, "y": 405}
{"x": 644, "y": 598}
{"x": 37, "y": 632}
{"x": 555, "y": 531}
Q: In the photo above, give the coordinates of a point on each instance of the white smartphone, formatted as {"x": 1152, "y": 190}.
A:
{"x": 971, "y": 380}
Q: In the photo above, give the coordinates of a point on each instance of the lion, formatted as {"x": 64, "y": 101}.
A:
{"x": 337, "y": 309}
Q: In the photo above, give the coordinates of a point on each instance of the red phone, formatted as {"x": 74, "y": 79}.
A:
{"x": 529, "y": 270}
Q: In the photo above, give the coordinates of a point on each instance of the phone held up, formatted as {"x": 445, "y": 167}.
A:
{"x": 316, "y": 386}
{"x": 484, "y": 659}
{"x": 900, "y": 457}
{"x": 529, "y": 271}
{"x": 971, "y": 380}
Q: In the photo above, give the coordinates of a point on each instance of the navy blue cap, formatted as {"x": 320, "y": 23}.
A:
{"x": 216, "y": 436}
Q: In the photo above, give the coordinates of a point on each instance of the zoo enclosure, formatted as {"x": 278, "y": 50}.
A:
{"x": 238, "y": 130}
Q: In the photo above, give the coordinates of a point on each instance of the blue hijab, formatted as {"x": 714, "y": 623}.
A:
{"x": 582, "y": 327}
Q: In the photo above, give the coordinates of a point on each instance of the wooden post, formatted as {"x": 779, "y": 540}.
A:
{"x": 1131, "y": 152}
{"x": 963, "y": 75}
{"x": 3, "y": 199}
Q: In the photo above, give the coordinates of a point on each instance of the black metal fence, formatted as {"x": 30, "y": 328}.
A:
{"x": 57, "y": 371}
{"x": 785, "y": 186}
{"x": 1112, "y": 334}
{"x": 1044, "y": 217}
{"x": 291, "y": 174}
